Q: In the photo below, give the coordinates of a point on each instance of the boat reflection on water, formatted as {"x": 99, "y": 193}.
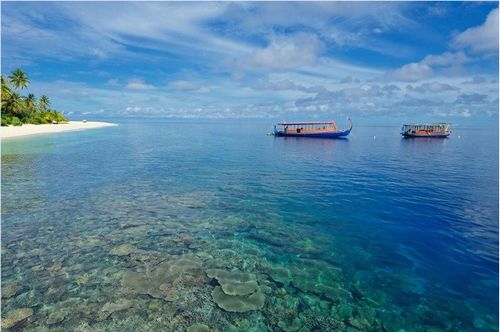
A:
{"x": 310, "y": 149}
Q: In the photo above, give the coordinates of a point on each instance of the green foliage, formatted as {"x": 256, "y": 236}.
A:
{"x": 45, "y": 117}
{"x": 17, "y": 109}
{"x": 19, "y": 79}
{"x": 11, "y": 120}
{"x": 44, "y": 102}
{"x": 6, "y": 91}
{"x": 15, "y": 121}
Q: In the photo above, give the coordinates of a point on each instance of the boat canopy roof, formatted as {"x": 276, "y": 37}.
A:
{"x": 305, "y": 123}
{"x": 428, "y": 125}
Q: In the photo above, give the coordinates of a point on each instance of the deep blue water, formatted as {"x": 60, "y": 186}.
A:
{"x": 411, "y": 223}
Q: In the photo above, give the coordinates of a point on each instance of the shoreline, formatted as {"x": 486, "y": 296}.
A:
{"x": 31, "y": 129}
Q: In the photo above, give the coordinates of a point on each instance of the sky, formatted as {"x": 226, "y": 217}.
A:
{"x": 377, "y": 62}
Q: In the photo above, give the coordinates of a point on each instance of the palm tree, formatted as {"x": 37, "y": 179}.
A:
{"x": 15, "y": 104}
{"x": 30, "y": 102}
{"x": 6, "y": 91}
{"x": 19, "y": 79}
{"x": 44, "y": 102}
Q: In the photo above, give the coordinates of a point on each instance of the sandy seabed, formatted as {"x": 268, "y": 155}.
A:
{"x": 30, "y": 129}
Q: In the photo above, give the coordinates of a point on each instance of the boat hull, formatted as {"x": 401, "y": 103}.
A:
{"x": 421, "y": 135}
{"x": 336, "y": 134}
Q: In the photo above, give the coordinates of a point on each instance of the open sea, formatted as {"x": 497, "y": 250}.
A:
{"x": 163, "y": 225}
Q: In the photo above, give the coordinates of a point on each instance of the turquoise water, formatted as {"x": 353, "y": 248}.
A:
{"x": 162, "y": 225}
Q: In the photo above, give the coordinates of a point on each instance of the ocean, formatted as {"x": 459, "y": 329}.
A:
{"x": 202, "y": 225}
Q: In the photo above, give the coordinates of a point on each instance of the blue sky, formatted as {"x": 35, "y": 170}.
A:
{"x": 379, "y": 62}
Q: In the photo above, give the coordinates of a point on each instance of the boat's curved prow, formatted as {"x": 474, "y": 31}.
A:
{"x": 347, "y": 131}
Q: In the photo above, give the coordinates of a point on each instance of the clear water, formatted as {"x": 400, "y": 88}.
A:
{"x": 370, "y": 233}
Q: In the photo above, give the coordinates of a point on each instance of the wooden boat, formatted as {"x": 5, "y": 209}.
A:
{"x": 439, "y": 130}
{"x": 311, "y": 129}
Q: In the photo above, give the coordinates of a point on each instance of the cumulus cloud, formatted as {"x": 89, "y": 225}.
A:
{"x": 471, "y": 99}
{"x": 483, "y": 38}
{"x": 276, "y": 86}
{"x": 113, "y": 82}
{"x": 287, "y": 85}
{"x": 181, "y": 85}
{"x": 288, "y": 52}
{"x": 438, "y": 10}
{"x": 476, "y": 80}
{"x": 346, "y": 80}
{"x": 427, "y": 67}
{"x": 93, "y": 112}
{"x": 411, "y": 72}
{"x": 204, "y": 90}
{"x": 391, "y": 89}
{"x": 138, "y": 84}
{"x": 433, "y": 87}
{"x": 446, "y": 59}
{"x": 261, "y": 45}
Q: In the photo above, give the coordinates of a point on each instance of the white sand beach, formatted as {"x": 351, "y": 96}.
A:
{"x": 30, "y": 129}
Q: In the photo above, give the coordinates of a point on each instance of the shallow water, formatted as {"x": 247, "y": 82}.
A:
{"x": 130, "y": 227}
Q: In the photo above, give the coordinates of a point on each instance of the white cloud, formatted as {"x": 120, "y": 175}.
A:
{"x": 471, "y": 99}
{"x": 291, "y": 52}
{"x": 95, "y": 112}
{"x": 198, "y": 45}
{"x": 483, "y": 38}
{"x": 465, "y": 113}
{"x": 446, "y": 59}
{"x": 476, "y": 80}
{"x": 411, "y": 72}
{"x": 181, "y": 85}
{"x": 113, "y": 82}
{"x": 204, "y": 90}
{"x": 429, "y": 66}
{"x": 438, "y": 9}
{"x": 433, "y": 87}
{"x": 138, "y": 84}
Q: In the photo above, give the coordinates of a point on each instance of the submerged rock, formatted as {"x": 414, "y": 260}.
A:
{"x": 292, "y": 326}
{"x": 335, "y": 294}
{"x": 192, "y": 200}
{"x": 359, "y": 322}
{"x": 238, "y": 303}
{"x": 169, "y": 292}
{"x": 280, "y": 274}
{"x": 234, "y": 282}
{"x": 120, "y": 305}
{"x": 265, "y": 238}
{"x": 198, "y": 328}
{"x": 110, "y": 308}
{"x": 158, "y": 281}
{"x": 342, "y": 312}
{"x": 56, "y": 317}
{"x": 312, "y": 276}
{"x": 123, "y": 250}
{"x": 9, "y": 290}
{"x": 16, "y": 316}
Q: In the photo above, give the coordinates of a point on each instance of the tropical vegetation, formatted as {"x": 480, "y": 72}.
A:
{"x": 18, "y": 109}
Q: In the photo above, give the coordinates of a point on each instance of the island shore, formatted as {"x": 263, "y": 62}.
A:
{"x": 30, "y": 129}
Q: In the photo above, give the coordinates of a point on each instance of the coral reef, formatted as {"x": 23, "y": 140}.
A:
{"x": 204, "y": 267}
{"x": 234, "y": 282}
{"x": 15, "y": 317}
{"x": 238, "y": 303}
